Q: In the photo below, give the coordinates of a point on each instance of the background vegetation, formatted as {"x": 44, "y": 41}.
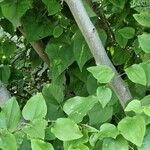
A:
{"x": 66, "y": 87}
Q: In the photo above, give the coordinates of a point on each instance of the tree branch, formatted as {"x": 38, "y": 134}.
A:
{"x": 4, "y": 94}
{"x": 91, "y": 36}
{"x": 39, "y": 47}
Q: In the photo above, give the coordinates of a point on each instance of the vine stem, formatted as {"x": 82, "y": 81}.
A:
{"x": 97, "y": 49}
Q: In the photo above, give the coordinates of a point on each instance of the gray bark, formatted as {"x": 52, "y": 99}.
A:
{"x": 4, "y": 94}
{"x": 97, "y": 49}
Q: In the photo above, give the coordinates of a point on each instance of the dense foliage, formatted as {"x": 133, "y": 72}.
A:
{"x": 60, "y": 98}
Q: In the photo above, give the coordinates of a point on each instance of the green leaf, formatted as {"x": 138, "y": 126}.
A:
{"x": 146, "y": 144}
{"x": 8, "y": 141}
{"x": 121, "y": 40}
{"x": 144, "y": 42}
{"x": 118, "y": 3}
{"x": 120, "y": 56}
{"x": 77, "y": 107}
{"x": 79, "y": 147}
{"x": 145, "y": 101}
{"x": 8, "y": 48}
{"x": 104, "y": 95}
{"x": 136, "y": 74}
{"x": 59, "y": 61}
{"x": 127, "y": 32}
{"x": 102, "y": 35}
{"x": 91, "y": 84}
{"x": 104, "y": 114}
{"x": 81, "y": 51}
{"x": 4, "y": 73}
{"x": 48, "y": 134}
{"x": 134, "y": 105}
{"x": 14, "y": 11}
{"x": 53, "y": 95}
{"x": 108, "y": 130}
{"x": 53, "y": 92}
{"x": 35, "y": 108}
{"x": 146, "y": 110}
{"x": 77, "y": 142}
{"x": 58, "y": 30}
{"x": 88, "y": 8}
{"x": 53, "y": 6}
{"x": 102, "y": 73}
{"x": 66, "y": 130}
{"x": 36, "y": 128}
{"x": 7, "y": 26}
{"x": 146, "y": 68}
{"x": 143, "y": 18}
{"x": 37, "y": 144}
{"x": 10, "y": 115}
{"x": 41, "y": 27}
{"x": 128, "y": 126}
{"x": 115, "y": 144}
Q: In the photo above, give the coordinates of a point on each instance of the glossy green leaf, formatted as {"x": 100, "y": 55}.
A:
{"x": 81, "y": 51}
{"x": 146, "y": 144}
{"x": 59, "y": 62}
{"x": 53, "y": 92}
{"x": 91, "y": 84}
{"x": 143, "y": 18}
{"x": 118, "y": 3}
{"x": 99, "y": 115}
{"x": 128, "y": 126}
{"x": 135, "y": 106}
{"x": 77, "y": 107}
{"x": 115, "y": 144}
{"x": 7, "y": 26}
{"x": 53, "y": 6}
{"x": 136, "y": 74}
{"x": 8, "y": 141}
{"x": 102, "y": 73}
{"x": 146, "y": 67}
{"x": 37, "y": 144}
{"x": 127, "y": 32}
{"x": 120, "y": 56}
{"x": 10, "y": 115}
{"x": 66, "y": 130}
{"x": 13, "y": 12}
{"x": 41, "y": 27}
{"x": 121, "y": 40}
{"x": 104, "y": 95}
{"x": 35, "y": 108}
{"x": 8, "y": 48}
{"x": 145, "y": 101}
{"x": 53, "y": 95}
{"x": 58, "y": 30}
{"x": 108, "y": 130}
{"x": 102, "y": 35}
{"x": 144, "y": 42}
{"x": 146, "y": 110}
{"x": 89, "y": 9}
{"x": 5, "y": 73}
{"x": 79, "y": 147}
{"x": 36, "y": 128}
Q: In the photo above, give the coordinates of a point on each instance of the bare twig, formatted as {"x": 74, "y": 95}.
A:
{"x": 91, "y": 36}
